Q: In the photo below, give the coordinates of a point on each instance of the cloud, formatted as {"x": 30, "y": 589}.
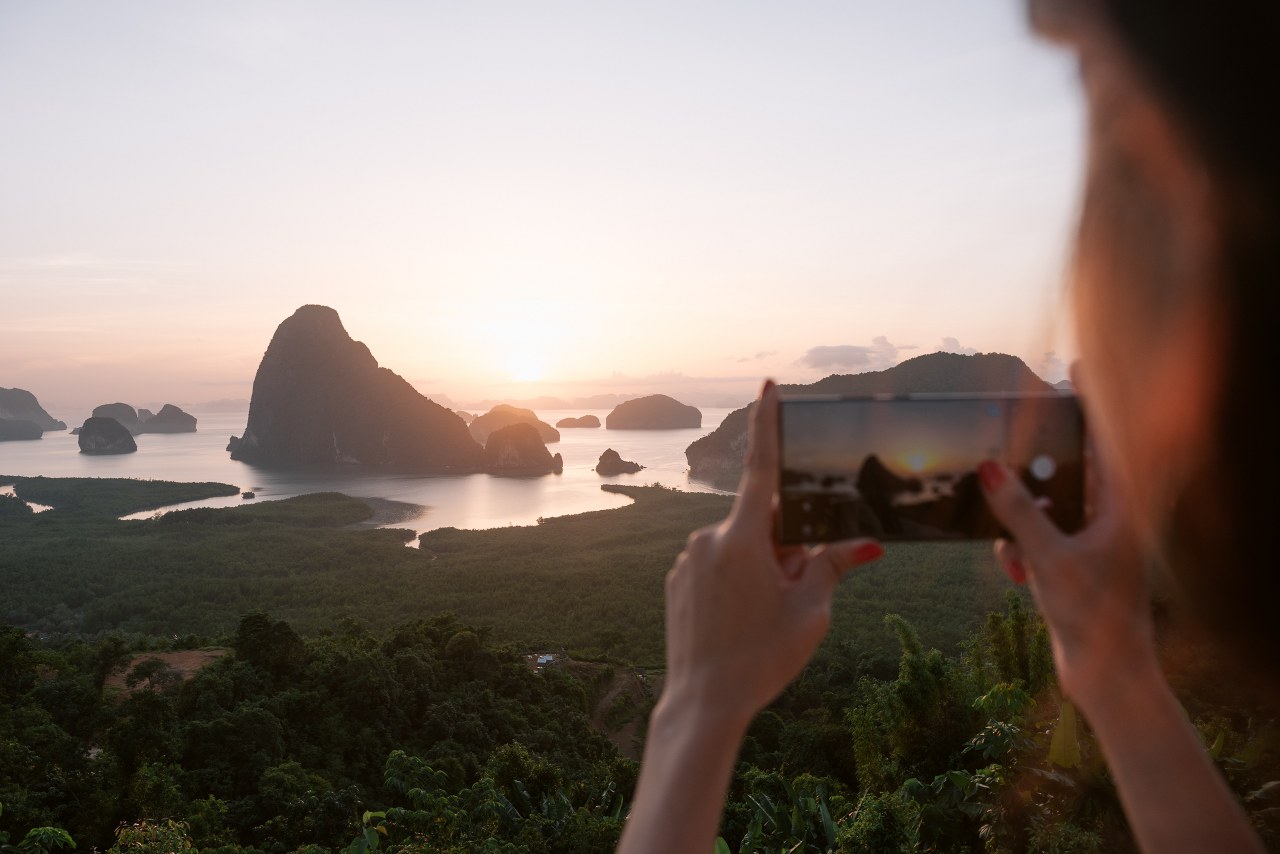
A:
{"x": 880, "y": 354}
{"x": 952, "y": 345}
{"x": 763, "y": 354}
{"x": 1052, "y": 369}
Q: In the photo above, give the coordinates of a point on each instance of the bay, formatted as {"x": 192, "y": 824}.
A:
{"x": 461, "y": 501}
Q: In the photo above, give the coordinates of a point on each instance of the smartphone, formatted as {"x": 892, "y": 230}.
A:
{"x": 904, "y": 467}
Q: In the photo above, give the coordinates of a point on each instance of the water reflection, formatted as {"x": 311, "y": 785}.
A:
{"x": 467, "y": 501}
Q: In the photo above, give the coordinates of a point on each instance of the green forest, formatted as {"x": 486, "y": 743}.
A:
{"x": 269, "y": 678}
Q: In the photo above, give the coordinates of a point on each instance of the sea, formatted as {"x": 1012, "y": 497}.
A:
{"x": 405, "y": 500}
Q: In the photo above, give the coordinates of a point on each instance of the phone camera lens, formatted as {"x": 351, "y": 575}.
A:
{"x": 1043, "y": 467}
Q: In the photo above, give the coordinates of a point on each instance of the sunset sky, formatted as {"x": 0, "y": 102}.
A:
{"x": 505, "y": 200}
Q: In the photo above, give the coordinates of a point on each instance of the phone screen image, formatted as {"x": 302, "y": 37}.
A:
{"x": 905, "y": 467}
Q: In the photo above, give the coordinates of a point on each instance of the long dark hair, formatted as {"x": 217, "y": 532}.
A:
{"x": 1214, "y": 68}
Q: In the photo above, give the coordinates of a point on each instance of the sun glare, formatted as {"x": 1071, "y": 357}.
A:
{"x": 525, "y": 368}
{"x": 916, "y": 461}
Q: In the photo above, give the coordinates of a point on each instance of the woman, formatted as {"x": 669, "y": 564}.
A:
{"x": 1177, "y": 263}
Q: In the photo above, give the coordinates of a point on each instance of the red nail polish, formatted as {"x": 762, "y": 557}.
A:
{"x": 868, "y": 552}
{"x": 768, "y": 386}
{"x": 991, "y": 475}
{"x": 1017, "y": 572}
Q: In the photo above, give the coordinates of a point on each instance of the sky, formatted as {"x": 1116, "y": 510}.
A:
{"x": 512, "y": 199}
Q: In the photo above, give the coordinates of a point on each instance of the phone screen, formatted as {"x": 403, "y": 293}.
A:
{"x": 905, "y": 467}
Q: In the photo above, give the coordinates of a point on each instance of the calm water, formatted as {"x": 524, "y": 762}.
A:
{"x": 467, "y": 501}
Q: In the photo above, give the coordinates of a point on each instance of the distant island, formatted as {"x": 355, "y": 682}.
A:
{"x": 17, "y": 404}
{"x": 19, "y": 429}
{"x": 653, "y": 412}
{"x": 504, "y": 415}
{"x": 580, "y": 421}
{"x": 717, "y": 457}
{"x": 611, "y": 463}
{"x": 170, "y": 419}
{"x": 517, "y": 449}
{"x": 101, "y": 435}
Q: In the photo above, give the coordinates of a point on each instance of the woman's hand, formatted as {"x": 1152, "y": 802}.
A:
{"x": 1090, "y": 587}
{"x": 745, "y": 615}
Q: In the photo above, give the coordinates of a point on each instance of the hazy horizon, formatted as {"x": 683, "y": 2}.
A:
{"x": 505, "y": 201}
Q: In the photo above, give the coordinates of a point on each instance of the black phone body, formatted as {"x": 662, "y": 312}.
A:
{"x": 904, "y": 467}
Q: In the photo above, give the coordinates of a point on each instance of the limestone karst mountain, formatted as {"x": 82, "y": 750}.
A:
{"x": 102, "y": 435}
{"x": 19, "y": 429}
{"x": 170, "y": 419}
{"x": 504, "y": 415}
{"x": 585, "y": 421}
{"x": 123, "y": 413}
{"x": 18, "y": 404}
{"x": 321, "y": 399}
{"x": 518, "y": 449}
{"x": 653, "y": 412}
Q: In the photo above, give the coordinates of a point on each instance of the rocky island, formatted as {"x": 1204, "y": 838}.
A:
{"x": 611, "y": 463}
{"x": 321, "y": 399}
{"x": 170, "y": 419}
{"x": 18, "y": 404}
{"x": 124, "y": 414}
{"x": 581, "y": 421}
{"x": 102, "y": 435}
{"x": 19, "y": 429}
{"x": 504, "y": 415}
{"x": 517, "y": 449}
{"x": 654, "y": 412}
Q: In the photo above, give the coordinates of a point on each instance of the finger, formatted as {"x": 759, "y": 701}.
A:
{"x": 1075, "y": 373}
{"x": 1010, "y": 558}
{"x": 1099, "y": 497}
{"x": 1016, "y": 508}
{"x": 828, "y": 563}
{"x": 760, "y": 475}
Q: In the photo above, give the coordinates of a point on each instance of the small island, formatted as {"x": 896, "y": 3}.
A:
{"x": 654, "y": 412}
{"x": 102, "y": 436}
{"x": 517, "y": 449}
{"x": 504, "y": 415}
{"x": 170, "y": 419}
{"x": 122, "y": 413}
{"x": 581, "y": 421}
{"x": 611, "y": 463}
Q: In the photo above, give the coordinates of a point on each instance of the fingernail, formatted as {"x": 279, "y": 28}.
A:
{"x": 1017, "y": 572}
{"x": 768, "y": 386}
{"x": 991, "y": 475}
{"x": 868, "y": 552}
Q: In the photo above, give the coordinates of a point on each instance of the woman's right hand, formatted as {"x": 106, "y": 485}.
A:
{"x": 1090, "y": 587}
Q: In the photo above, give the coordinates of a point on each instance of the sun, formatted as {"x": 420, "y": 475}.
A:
{"x": 917, "y": 461}
{"x": 526, "y": 367}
